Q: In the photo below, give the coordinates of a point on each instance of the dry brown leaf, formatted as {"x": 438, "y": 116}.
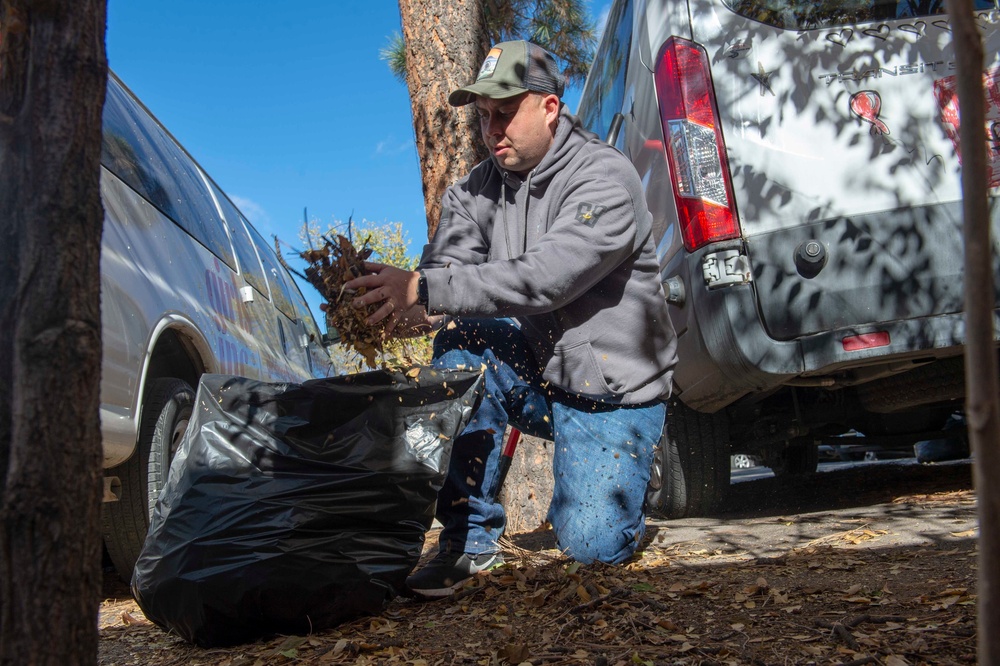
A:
{"x": 537, "y": 600}
{"x": 129, "y": 620}
{"x": 516, "y": 653}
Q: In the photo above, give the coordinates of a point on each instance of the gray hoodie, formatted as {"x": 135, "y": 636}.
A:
{"x": 568, "y": 253}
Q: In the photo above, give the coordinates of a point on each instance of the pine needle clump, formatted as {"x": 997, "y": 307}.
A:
{"x": 332, "y": 260}
{"x": 330, "y": 268}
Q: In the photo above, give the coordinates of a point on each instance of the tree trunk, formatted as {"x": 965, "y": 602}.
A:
{"x": 527, "y": 492}
{"x": 446, "y": 41}
{"x": 53, "y": 73}
{"x": 982, "y": 408}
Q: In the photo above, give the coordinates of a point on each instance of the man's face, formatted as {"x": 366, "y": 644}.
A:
{"x": 518, "y": 130}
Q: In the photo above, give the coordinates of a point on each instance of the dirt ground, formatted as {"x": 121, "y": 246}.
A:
{"x": 873, "y": 566}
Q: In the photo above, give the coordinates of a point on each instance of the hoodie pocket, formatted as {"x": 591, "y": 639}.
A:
{"x": 574, "y": 368}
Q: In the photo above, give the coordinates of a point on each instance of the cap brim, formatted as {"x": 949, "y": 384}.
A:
{"x": 489, "y": 89}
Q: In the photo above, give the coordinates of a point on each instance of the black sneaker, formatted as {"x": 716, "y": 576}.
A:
{"x": 447, "y": 573}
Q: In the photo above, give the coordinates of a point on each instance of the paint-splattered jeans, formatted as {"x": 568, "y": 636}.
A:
{"x": 600, "y": 465}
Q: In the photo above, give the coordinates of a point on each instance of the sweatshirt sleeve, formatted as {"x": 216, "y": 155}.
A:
{"x": 592, "y": 232}
{"x": 459, "y": 240}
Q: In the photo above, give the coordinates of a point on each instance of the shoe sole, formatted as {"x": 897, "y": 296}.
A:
{"x": 440, "y": 592}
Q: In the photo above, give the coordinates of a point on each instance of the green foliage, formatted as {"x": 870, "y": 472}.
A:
{"x": 394, "y": 54}
{"x": 389, "y": 245}
{"x": 561, "y": 26}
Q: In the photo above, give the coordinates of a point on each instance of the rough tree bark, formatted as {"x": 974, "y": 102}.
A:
{"x": 446, "y": 42}
{"x": 982, "y": 408}
{"x": 53, "y": 72}
{"x": 527, "y": 492}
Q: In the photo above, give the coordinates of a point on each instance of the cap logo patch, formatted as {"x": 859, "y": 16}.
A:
{"x": 490, "y": 64}
{"x": 589, "y": 213}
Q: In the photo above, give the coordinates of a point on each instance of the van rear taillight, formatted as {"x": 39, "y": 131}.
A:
{"x": 703, "y": 190}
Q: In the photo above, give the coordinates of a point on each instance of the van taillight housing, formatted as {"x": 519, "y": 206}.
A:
{"x": 689, "y": 115}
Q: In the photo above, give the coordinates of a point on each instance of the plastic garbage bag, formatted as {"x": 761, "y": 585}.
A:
{"x": 290, "y": 508}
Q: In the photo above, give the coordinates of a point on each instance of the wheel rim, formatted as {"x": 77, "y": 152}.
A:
{"x": 178, "y": 433}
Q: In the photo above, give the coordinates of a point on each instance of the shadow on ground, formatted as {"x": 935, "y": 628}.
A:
{"x": 888, "y": 504}
{"x": 860, "y": 485}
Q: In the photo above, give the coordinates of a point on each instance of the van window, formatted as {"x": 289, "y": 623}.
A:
{"x": 142, "y": 154}
{"x": 249, "y": 264}
{"x": 306, "y": 319}
{"x": 302, "y": 310}
{"x": 605, "y": 87}
{"x": 805, "y": 15}
{"x": 274, "y": 271}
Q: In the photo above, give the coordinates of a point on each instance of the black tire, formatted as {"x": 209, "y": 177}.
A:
{"x": 690, "y": 474}
{"x": 166, "y": 410}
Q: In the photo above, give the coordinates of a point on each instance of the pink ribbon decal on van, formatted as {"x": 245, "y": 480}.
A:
{"x": 946, "y": 93}
{"x": 867, "y": 104}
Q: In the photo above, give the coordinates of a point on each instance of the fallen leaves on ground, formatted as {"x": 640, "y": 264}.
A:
{"x": 913, "y": 605}
{"x": 956, "y": 497}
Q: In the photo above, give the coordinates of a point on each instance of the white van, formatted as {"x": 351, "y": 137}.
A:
{"x": 801, "y": 163}
{"x": 188, "y": 286}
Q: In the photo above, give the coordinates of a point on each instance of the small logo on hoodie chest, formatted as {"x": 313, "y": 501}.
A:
{"x": 589, "y": 213}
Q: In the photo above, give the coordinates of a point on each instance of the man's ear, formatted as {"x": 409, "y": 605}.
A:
{"x": 551, "y": 105}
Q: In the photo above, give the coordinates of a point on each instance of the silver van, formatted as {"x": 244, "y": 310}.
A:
{"x": 188, "y": 286}
{"x": 801, "y": 163}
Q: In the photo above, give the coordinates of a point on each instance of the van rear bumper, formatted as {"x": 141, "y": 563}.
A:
{"x": 731, "y": 354}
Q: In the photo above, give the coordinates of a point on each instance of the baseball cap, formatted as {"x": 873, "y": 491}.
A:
{"x": 512, "y": 68}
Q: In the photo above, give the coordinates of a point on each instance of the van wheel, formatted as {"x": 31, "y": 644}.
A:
{"x": 690, "y": 474}
{"x": 166, "y": 410}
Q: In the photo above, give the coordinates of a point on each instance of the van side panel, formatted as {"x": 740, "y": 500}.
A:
{"x": 150, "y": 270}
{"x": 181, "y": 275}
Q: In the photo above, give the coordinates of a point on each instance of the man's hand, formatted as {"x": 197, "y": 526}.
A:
{"x": 396, "y": 291}
{"x": 413, "y": 322}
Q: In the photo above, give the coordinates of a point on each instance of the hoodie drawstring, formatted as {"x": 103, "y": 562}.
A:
{"x": 524, "y": 213}
{"x": 506, "y": 226}
{"x": 526, "y": 187}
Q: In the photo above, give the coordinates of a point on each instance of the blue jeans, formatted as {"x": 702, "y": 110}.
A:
{"x": 601, "y": 461}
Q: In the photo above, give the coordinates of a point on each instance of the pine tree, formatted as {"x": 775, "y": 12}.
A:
{"x": 53, "y": 72}
{"x": 442, "y": 45}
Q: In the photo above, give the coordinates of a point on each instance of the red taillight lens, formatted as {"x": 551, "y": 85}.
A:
{"x": 866, "y": 341}
{"x": 693, "y": 141}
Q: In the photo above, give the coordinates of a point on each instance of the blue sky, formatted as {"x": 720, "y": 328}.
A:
{"x": 287, "y": 106}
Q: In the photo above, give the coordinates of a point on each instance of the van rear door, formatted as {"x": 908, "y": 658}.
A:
{"x": 840, "y": 127}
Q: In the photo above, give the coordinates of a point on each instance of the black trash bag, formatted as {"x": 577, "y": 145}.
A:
{"x": 290, "y": 508}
